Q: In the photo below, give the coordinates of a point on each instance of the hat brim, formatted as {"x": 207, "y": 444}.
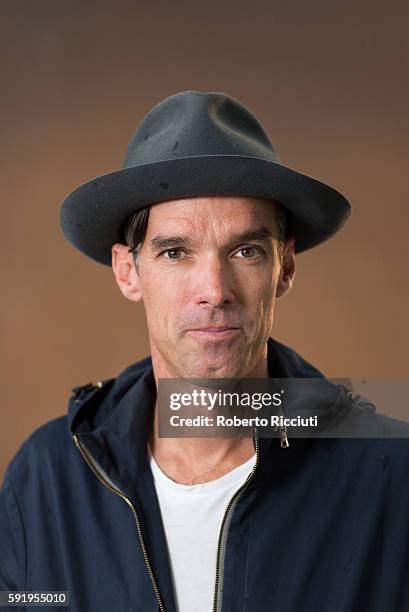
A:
{"x": 93, "y": 215}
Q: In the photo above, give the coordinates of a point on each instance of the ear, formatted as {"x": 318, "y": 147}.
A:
{"x": 287, "y": 272}
{"x": 126, "y": 276}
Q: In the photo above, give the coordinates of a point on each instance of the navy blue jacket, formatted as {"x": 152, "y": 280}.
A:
{"x": 321, "y": 525}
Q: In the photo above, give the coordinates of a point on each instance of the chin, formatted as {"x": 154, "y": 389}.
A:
{"x": 213, "y": 371}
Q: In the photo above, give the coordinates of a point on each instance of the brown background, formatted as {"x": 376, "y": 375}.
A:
{"x": 329, "y": 81}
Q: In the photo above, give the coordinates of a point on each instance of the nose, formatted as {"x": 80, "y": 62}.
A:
{"x": 213, "y": 283}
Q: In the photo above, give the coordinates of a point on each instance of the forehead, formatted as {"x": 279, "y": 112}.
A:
{"x": 223, "y": 212}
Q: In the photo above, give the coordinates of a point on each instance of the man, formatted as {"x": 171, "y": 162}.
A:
{"x": 202, "y": 225}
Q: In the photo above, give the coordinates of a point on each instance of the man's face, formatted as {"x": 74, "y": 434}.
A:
{"x": 209, "y": 262}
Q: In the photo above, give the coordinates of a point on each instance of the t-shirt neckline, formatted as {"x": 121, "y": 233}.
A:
{"x": 228, "y": 480}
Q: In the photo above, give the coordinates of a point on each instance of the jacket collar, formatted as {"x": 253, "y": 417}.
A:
{"x": 114, "y": 417}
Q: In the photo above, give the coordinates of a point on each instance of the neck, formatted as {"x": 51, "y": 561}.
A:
{"x": 198, "y": 460}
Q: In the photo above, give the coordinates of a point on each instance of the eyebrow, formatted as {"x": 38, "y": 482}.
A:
{"x": 161, "y": 242}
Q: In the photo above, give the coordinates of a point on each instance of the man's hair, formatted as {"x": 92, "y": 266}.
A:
{"x": 137, "y": 226}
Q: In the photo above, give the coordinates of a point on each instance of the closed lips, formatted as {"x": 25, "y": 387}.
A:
{"x": 214, "y": 329}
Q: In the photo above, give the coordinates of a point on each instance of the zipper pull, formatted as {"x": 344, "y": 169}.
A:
{"x": 284, "y": 438}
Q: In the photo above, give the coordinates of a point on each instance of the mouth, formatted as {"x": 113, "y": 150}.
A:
{"x": 214, "y": 333}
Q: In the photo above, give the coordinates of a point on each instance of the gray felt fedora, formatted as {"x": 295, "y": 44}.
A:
{"x": 198, "y": 143}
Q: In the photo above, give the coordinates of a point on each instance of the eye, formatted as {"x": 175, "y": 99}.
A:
{"x": 252, "y": 250}
{"x": 172, "y": 251}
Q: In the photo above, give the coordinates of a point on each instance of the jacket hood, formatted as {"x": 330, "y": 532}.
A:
{"x": 114, "y": 417}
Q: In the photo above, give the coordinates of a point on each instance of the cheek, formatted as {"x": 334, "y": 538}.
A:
{"x": 156, "y": 284}
{"x": 162, "y": 298}
{"x": 260, "y": 290}
{"x": 168, "y": 285}
{"x": 264, "y": 305}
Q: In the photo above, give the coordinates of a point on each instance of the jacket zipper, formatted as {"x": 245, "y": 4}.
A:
{"x": 224, "y": 529}
{"x": 104, "y": 478}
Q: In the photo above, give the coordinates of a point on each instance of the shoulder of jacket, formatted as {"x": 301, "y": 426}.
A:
{"x": 388, "y": 426}
{"x": 80, "y": 392}
{"x": 45, "y": 442}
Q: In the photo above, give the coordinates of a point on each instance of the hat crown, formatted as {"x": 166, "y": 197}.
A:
{"x": 194, "y": 123}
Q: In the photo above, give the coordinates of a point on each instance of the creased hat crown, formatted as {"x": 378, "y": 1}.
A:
{"x": 194, "y": 123}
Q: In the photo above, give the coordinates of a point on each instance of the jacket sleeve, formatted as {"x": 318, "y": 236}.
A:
{"x": 12, "y": 539}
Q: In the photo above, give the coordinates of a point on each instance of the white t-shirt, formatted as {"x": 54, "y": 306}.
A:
{"x": 192, "y": 516}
